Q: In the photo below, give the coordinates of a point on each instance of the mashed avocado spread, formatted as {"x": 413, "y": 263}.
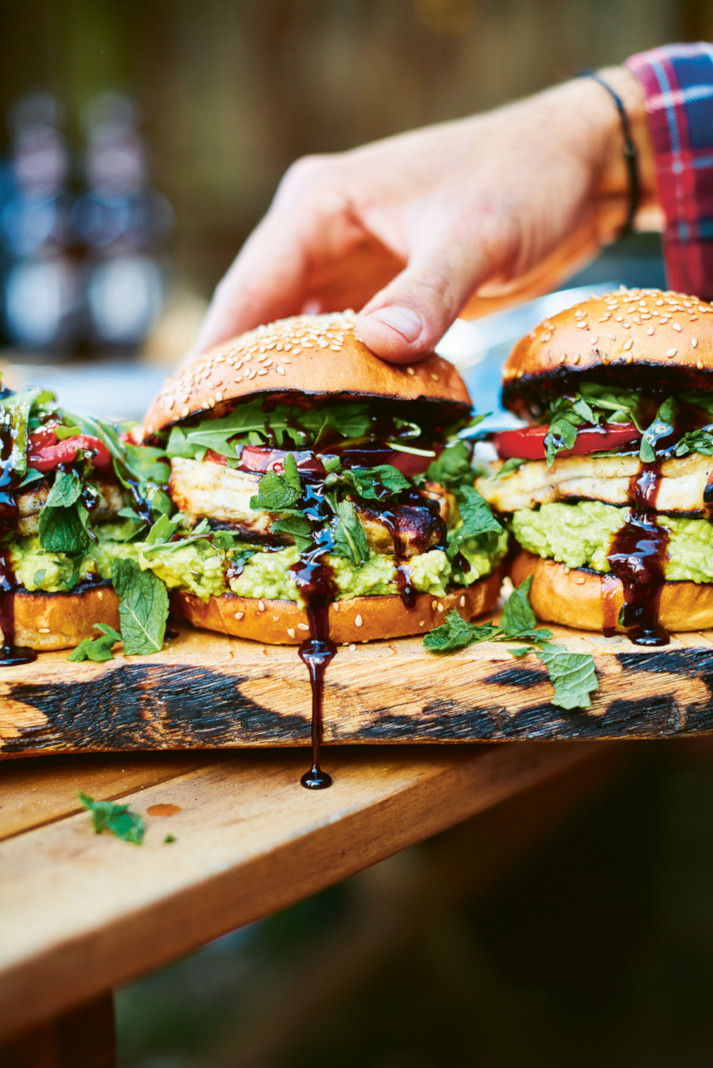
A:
{"x": 579, "y": 535}
{"x": 201, "y": 568}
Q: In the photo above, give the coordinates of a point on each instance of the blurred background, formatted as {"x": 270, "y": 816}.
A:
{"x": 140, "y": 144}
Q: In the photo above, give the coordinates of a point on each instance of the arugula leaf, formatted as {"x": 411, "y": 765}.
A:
{"x": 349, "y": 536}
{"x": 64, "y": 521}
{"x": 513, "y": 463}
{"x": 99, "y": 648}
{"x": 276, "y": 492}
{"x": 118, "y": 819}
{"x": 572, "y": 675}
{"x": 562, "y": 434}
{"x": 143, "y": 607}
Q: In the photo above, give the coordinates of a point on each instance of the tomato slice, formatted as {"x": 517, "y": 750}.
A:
{"x": 262, "y": 458}
{"x": 45, "y": 453}
{"x": 528, "y": 442}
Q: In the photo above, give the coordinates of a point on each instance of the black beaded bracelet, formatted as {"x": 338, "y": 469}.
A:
{"x": 630, "y": 153}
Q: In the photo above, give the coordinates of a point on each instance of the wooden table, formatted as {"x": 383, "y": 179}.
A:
{"x": 81, "y": 913}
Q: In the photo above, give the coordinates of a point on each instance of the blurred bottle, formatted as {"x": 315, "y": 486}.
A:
{"x": 122, "y": 224}
{"x": 41, "y": 286}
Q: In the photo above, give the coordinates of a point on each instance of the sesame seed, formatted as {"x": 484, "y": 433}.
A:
{"x": 291, "y": 631}
{"x": 280, "y": 370}
{"x": 440, "y": 607}
{"x": 694, "y": 342}
{"x": 410, "y": 370}
{"x": 433, "y": 605}
{"x": 239, "y": 615}
{"x": 461, "y": 602}
{"x": 434, "y": 377}
{"x": 605, "y": 317}
{"x": 422, "y": 622}
{"x": 699, "y": 364}
{"x": 302, "y": 626}
{"x": 352, "y": 647}
{"x": 593, "y": 340}
{"x": 677, "y": 326}
{"x": 670, "y": 353}
{"x": 44, "y": 630}
{"x": 576, "y": 358}
{"x": 358, "y": 621}
{"x": 261, "y": 605}
{"x": 650, "y": 329}
{"x": 628, "y": 343}
{"x": 582, "y": 325}
{"x": 562, "y": 358}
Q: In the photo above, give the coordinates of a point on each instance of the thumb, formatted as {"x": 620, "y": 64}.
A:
{"x": 407, "y": 319}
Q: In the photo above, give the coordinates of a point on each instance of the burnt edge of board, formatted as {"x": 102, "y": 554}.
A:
{"x": 163, "y": 707}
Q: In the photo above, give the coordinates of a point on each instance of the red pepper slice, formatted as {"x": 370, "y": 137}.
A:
{"x": 45, "y": 453}
{"x": 528, "y": 443}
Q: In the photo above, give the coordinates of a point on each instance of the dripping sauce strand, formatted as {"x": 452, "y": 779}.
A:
{"x": 316, "y": 583}
{"x": 636, "y": 557}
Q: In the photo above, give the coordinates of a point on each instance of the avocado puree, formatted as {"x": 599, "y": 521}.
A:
{"x": 201, "y": 569}
{"x": 579, "y": 535}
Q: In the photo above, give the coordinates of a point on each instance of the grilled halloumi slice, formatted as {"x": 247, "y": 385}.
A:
{"x": 222, "y": 494}
{"x": 606, "y": 478}
{"x": 203, "y": 488}
{"x": 112, "y": 497}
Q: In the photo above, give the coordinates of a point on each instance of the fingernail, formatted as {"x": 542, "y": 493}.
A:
{"x": 403, "y": 320}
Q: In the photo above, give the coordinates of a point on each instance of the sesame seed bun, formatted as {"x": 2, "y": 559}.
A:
{"x": 360, "y": 619}
{"x": 47, "y": 621}
{"x": 317, "y": 355}
{"x": 646, "y": 334}
{"x": 575, "y": 597}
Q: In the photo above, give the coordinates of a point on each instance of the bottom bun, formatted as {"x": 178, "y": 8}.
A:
{"x": 575, "y": 597}
{"x": 360, "y": 619}
{"x": 47, "y": 621}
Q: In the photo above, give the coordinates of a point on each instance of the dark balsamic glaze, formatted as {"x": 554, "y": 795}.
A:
{"x": 315, "y": 580}
{"x": 636, "y": 557}
{"x": 9, "y": 652}
{"x": 414, "y": 522}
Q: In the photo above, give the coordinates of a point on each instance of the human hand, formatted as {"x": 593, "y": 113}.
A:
{"x": 457, "y": 218}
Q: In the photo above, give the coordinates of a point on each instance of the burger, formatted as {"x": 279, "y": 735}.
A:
{"x": 319, "y": 491}
{"x": 608, "y": 489}
{"x": 58, "y": 488}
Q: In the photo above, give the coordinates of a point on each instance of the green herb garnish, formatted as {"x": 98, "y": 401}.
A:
{"x": 572, "y": 675}
{"x": 143, "y": 607}
{"x": 118, "y": 819}
{"x": 98, "y": 649}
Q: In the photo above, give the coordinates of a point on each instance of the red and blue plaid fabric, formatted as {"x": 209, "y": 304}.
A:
{"x": 678, "y": 82}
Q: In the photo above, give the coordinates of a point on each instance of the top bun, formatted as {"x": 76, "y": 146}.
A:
{"x": 318, "y": 355}
{"x": 636, "y": 335}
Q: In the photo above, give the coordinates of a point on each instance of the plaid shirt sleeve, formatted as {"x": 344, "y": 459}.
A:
{"x": 678, "y": 82}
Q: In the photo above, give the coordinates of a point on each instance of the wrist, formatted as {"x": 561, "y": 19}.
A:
{"x": 612, "y": 187}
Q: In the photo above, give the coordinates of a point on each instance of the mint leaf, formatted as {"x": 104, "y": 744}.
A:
{"x": 457, "y": 633}
{"x": 143, "y": 607}
{"x": 298, "y": 527}
{"x": 64, "y": 521}
{"x": 453, "y": 465}
{"x": 477, "y": 521}
{"x": 349, "y": 536}
{"x": 572, "y": 675}
{"x": 374, "y": 483}
{"x": 276, "y": 492}
{"x": 99, "y": 648}
{"x": 118, "y": 819}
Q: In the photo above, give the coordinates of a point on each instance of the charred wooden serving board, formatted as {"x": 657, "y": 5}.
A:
{"x": 207, "y": 691}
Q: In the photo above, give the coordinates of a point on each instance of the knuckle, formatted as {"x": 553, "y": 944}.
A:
{"x": 304, "y": 176}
